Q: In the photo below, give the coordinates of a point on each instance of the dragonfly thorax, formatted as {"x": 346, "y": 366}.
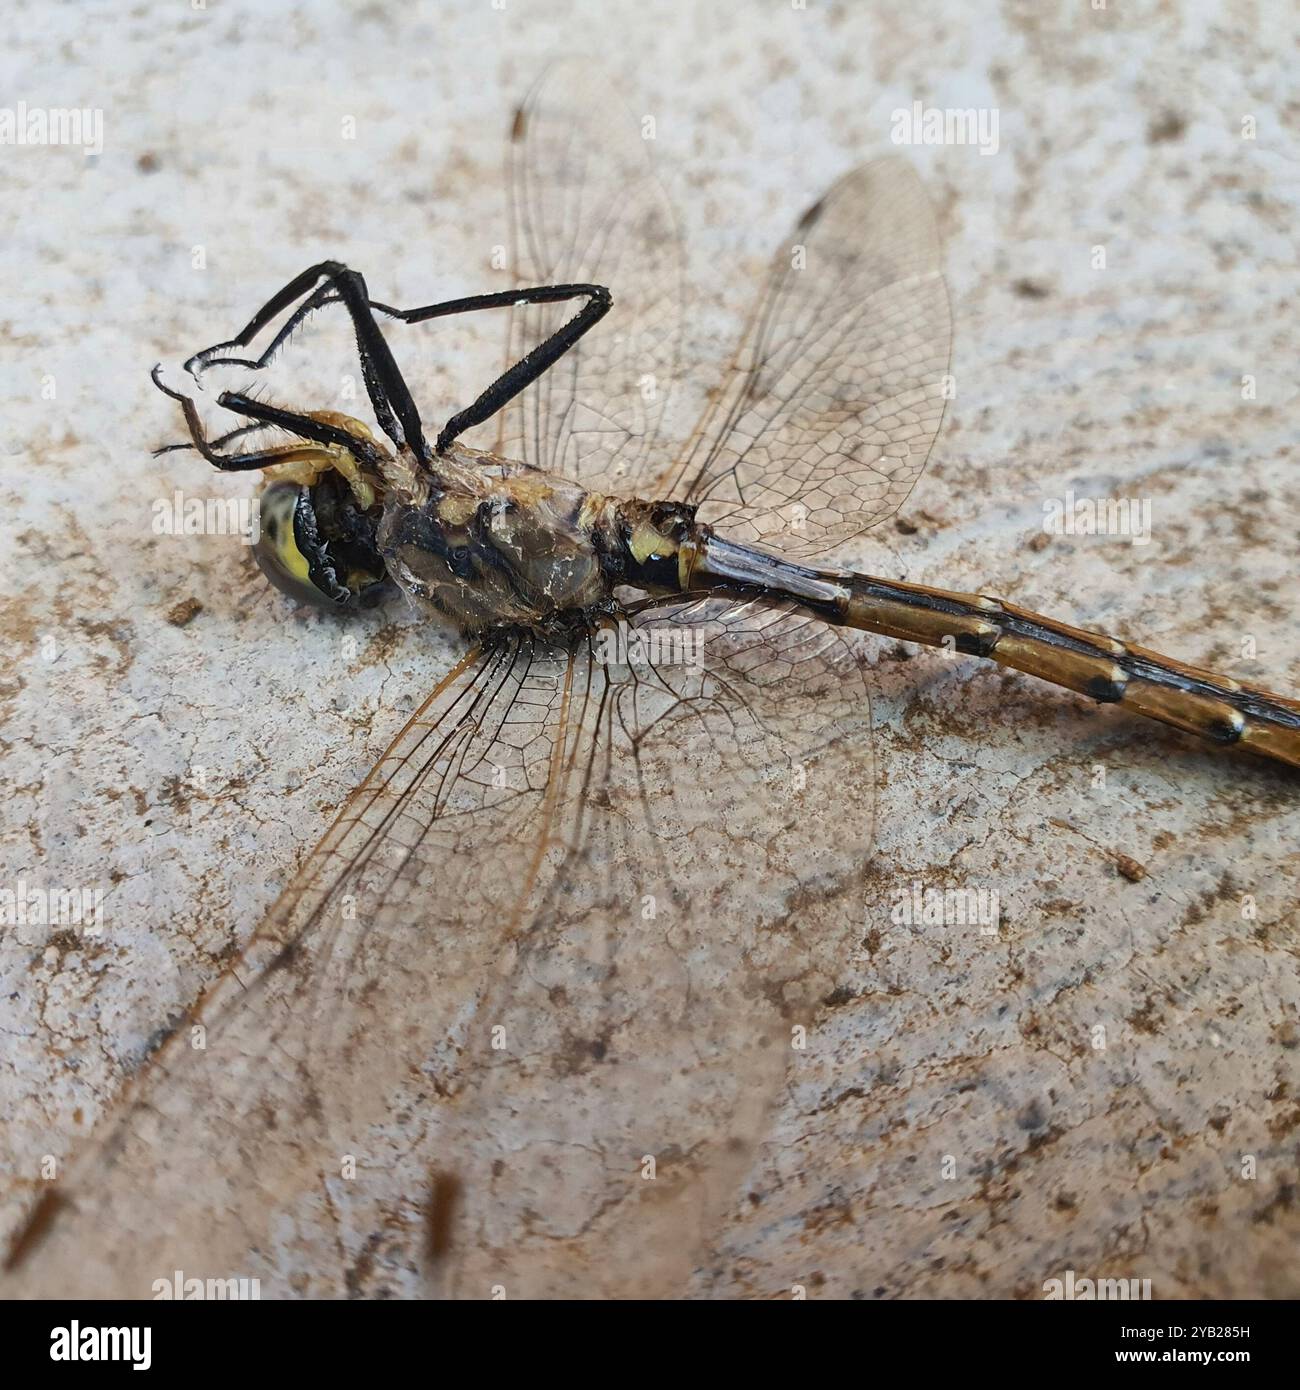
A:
{"x": 489, "y": 543}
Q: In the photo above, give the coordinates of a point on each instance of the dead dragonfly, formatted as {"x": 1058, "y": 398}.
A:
{"x": 519, "y": 948}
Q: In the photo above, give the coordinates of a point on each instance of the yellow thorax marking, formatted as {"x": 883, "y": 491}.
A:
{"x": 471, "y": 488}
{"x": 313, "y": 460}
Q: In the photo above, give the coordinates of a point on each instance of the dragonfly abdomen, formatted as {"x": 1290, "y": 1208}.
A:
{"x": 1190, "y": 698}
{"x": 1198, "y": 701}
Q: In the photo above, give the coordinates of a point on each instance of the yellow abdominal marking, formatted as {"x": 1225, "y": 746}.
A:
{"x": 686, "y": 558}
{"x": 646, "y": 541}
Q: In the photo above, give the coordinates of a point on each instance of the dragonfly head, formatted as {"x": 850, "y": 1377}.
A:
{"x": 317, "y": 544}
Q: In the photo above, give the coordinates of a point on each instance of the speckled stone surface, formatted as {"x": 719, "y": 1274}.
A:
{"x": 1108, "y": 1084}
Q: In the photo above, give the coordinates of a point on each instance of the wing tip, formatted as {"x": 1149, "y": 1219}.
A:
{"x": 35, "y": 1228}
{"x": 811, "y": 214}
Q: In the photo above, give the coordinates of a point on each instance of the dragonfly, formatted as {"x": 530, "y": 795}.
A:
{"x": 511, "y": 1030}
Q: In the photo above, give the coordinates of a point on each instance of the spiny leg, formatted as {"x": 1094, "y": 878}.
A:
{"x": 220, "y": 442}
{"x": 312, "y": 430}
{"x": 393, "y": 404}
{"x": 323, "y": 295}
{"x": 384, "y": 381}
{"x": 278, "y": 302}
{"x": 264, "y": 415}
{"x": 529, "y": 367}
{"x": 307, "y": 426}
{"x": 504, "y": 389}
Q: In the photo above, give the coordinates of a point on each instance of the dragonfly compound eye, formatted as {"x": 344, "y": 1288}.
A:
{"x": 318, "y": 547}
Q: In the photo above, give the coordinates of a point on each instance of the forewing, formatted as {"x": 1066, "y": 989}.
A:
{"x": 587, "y": 208}
{"x": 549, "y": 959}
{"x": 705, "y": 900}
{"x": 838, "y": 389}
{"x": 240, "y": 1150}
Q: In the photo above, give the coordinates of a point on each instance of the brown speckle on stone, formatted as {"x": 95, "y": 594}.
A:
{"x": 1130, "y": 868}
{"x": 1169, "y": 126}
{"x": 184, "y": 612}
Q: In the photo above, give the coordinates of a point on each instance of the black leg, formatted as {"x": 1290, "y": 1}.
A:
{"x": 325, "y": 294}
{"x": 303, "y": 425}
{"x": 212, "y": 443}
{"x": 313, "y": 431}
{"x": 278, "y": 302}
{"x": 393, "y": 405}
{"x": 524, "y": 372}
{"x": 388, "y": 391}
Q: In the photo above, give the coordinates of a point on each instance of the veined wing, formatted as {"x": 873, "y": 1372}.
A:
{"x": 518, "y": 958}
{"x": 829, "y": 411}
{"x": 837, "y": 392}
{"x": 234, "y": 1150}
{"x": 586, "y": 208}
{"x": 643, "y": 1031}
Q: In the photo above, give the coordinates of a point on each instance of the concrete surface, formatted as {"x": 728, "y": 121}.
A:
{"x": 1109, "y": 1084}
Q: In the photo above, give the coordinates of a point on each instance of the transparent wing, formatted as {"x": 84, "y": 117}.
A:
{"x": 837, "y": 391}
{"x": 587, "y": 208}
{"x": 703, "y": 903}
{"x": 520, "y": 968}
{"x": 231, "y": 1159}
